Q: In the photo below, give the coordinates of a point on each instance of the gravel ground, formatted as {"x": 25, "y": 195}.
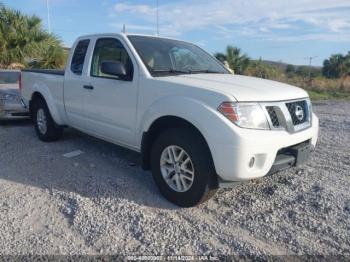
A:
{"x": 101, "y": 202}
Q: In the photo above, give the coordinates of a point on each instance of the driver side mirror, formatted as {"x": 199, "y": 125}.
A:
{"x": 114, "y": 68}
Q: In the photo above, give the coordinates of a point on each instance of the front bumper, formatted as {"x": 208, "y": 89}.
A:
{"x": 233, "y": 162}
{"x": 288, "y": 157}
{"x": 13, "y": 110}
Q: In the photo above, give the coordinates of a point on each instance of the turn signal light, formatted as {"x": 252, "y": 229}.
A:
{"x": 229, "y": 110}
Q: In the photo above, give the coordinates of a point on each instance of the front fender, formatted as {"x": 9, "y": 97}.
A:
{"x": 214, "y": 127}
{"x": 182, "y": 107}
{"x": 44, "y": 90}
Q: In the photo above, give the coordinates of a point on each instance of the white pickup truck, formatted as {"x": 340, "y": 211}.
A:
{"x": 197, "y": 126}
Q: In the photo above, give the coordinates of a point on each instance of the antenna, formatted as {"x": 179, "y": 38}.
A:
{"x": 124, "y": 29}
{"x": 157, "y": 16}
{"x": 48, "y": 16}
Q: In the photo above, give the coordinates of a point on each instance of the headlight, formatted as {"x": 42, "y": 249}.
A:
{"x": 246, "y": 115}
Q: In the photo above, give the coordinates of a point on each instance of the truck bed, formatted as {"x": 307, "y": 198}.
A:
{"x": 49, "y": 82}
{"x": 45, "y": 71}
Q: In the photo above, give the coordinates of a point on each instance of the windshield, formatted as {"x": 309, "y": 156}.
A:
{"x": 165, "y": 56}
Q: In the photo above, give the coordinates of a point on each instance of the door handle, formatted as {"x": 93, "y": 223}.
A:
{"x": 88, "y": 87}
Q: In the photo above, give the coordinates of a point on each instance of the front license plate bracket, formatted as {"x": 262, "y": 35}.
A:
{"x": 301, "y": 153}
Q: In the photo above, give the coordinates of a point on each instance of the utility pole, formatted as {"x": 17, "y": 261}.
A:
{"x": 157, "y": 17}
{"x": 310, "y": 63}
{"x": 48, "y": 16}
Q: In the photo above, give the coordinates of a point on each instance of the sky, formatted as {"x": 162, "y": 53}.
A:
{"x": 277, "y": 30}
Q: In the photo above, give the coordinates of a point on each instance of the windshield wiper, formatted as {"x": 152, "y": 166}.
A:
{"x": 171, "y": 71}
{"x": 176, "y": 71}
{"x": 205, "y": 71}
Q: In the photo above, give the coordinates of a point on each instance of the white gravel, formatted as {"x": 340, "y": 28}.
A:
{"x": 101, "y": 202}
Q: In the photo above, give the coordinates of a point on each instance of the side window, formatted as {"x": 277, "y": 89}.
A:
{"x": 79, "y": 57}
{"x": 111, "y": 50}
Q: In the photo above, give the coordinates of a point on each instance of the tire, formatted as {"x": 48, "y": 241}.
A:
{"x": 200, "y": 167}
{"x": 45, "y": 127}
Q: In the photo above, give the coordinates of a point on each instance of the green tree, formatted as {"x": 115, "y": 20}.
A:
{"x": 261, "y": 69}
{"x": 347, "y": 64}
{"x": 221, "y": 57}
{"x": 302, "y": 71}
{"x": 23, "y": 40}
{"x": 336, "y": 66}
{"x": 236, "y": 60}
{"x": 290, "y": 70}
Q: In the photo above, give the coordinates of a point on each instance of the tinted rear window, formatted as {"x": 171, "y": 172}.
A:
{"x": 9, "y": 77}
{"x": 79, "y": 56}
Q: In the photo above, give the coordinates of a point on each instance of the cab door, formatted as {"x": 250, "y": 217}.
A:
{"x": 76, "y": 80}
{"x": 111, "y": 103}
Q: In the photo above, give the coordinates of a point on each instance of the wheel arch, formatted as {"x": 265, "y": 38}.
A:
{"x": 49, "y": 102}
{"x": 162, "y": 124}
{"x": 36, "y": 95}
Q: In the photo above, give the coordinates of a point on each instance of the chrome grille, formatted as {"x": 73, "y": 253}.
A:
{"x": 273, "y": 116}
{"x": 292, "y": 116}
{"x": 293, "y": 108}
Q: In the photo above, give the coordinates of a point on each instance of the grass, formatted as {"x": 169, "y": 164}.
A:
{"x": 328, "y": 95}
{"x": 321, "y": 88}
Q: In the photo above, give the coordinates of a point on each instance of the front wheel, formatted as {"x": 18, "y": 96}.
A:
{"x": 45, "y": 127}
{"x": 182, "y": 167}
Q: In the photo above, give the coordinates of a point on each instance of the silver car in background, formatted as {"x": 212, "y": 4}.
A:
{"x": 11, "y": 103}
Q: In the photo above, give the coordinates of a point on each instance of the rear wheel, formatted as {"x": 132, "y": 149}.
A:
{"x": 45, "y": 127}
{"x": 182, "y": 167}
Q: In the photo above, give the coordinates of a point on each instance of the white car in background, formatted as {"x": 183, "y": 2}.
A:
{"x": 11, "y": 102}
{"x": 197, "y": 126}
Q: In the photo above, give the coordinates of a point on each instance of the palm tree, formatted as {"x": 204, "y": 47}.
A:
{"x": 22, "y": 39}
{"x": 235, "y": 59}
{"x": 335, "y": 66}
{"x": 221, "y": 57}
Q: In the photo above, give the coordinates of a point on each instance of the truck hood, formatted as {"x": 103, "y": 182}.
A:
{"x": 242, "y": 88}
